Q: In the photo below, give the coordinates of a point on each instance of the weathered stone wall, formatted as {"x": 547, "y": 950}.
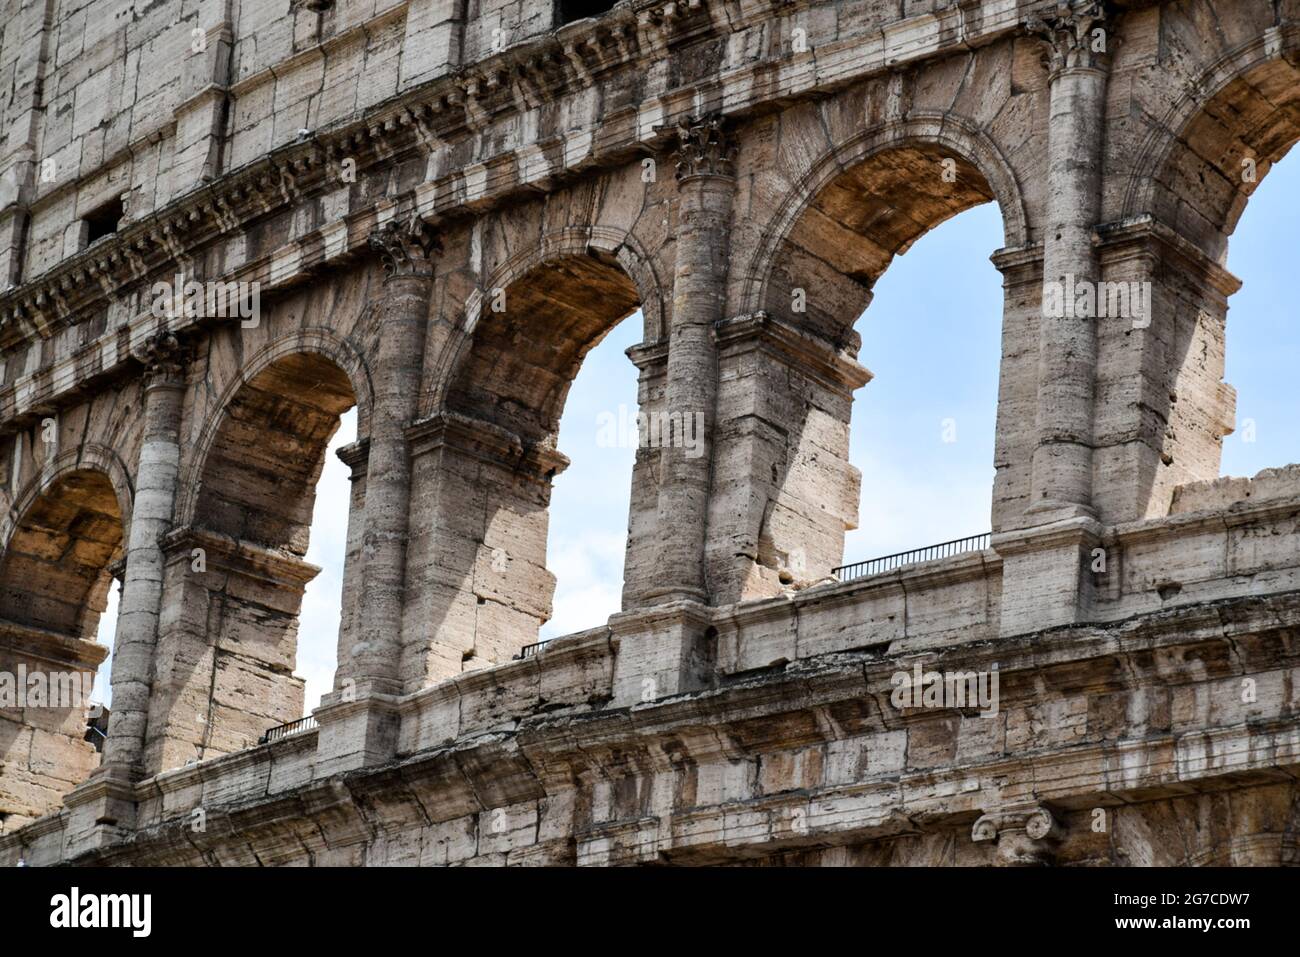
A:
{"x": 444, "y": 204}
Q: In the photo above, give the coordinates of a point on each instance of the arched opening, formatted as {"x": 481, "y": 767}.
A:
{"x": 491, "y": 455}
{"x": 227, "y": 660}
{"x": 861, "y": 213}
{"x": 1225, "y": 400}
{"x": 321, "y": 621}
{"x": 587, "y": 541}
{"x": 923, "y": 429}
{"x": 1262, "y": 350}
{"x": 54, "y": 582}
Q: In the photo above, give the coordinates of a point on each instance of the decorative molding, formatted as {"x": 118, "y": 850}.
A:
{"x": 704, "y": 148}
{"x": 406, "y": 247}
{"x": 1023, "y": 835}
{"x": 248, "y": 559}
{"x": 487, "y": 442}
{"x": 1070, "y": 36}
{"x": 165, "y": 358}
{"x": 836, "y": 367}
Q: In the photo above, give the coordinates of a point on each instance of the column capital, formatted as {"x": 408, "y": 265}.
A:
{"x": 1022, "y": 835}
{"x": 704, "y": 148}
{"x": 406, "y": 247}
{"x": 165, "y": 357}
{"x": 1074, "y": 37}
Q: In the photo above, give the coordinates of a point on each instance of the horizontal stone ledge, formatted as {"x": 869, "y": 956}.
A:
{"x": 57, "y": 648}
{"x": 239, "y": 557}
{"x": 487, "y": 442}
{"x": 836, "y": 367}
{"x": 1149, "y": 235}
{"x": 921, "y": 802}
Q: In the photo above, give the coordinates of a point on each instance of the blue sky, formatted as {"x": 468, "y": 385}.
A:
{"x": 932, "y": 339}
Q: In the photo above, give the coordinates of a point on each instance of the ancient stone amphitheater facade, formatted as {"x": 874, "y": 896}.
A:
{"x": 443, "y": 205}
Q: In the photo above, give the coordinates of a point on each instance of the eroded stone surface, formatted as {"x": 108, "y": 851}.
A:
{"x": 443, "y": 210}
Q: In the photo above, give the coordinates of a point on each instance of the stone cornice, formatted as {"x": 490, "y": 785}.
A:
{"x": 456, "y": 106}
{"x": 525, "y": 753}
{"x": 244, "y": 558}
{"x": 356, "y": 456}
{"x": 836, "y": 368}
{"x": 52, "y": 646}
{"x": 1019, "y": 264}
{"x": 1145, "y": 235}
{"x": 486, "y": 441}
{"x": 651, "y": 358}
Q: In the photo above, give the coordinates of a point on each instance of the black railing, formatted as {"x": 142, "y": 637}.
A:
{"x": 874, "y": 566}
{"x": 527, "y": 651}
{"x": 283, "y": 731}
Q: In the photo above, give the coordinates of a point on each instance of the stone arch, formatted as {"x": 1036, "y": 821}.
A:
{"x": 486, "y": 450}
{"x": 977, "y": 156}
{"x": 861, "y": 202}
{"x": 308, "y": 342}
{"x": 1182, "y": 201}
{"x": 1244, "y": 104}
{"x": 226, "y": 671}
{"x": 64, "y": 534}
{"x": 88, "y": 456}
{"x": 609, "y": 246}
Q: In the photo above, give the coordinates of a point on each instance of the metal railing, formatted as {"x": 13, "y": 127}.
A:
{"x": 283, "y": 731}
{"x": 874, "y": 566}
{"x": 527, "y": 651}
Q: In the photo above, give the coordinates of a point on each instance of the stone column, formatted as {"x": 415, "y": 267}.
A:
{"x": 402, "y": 315}
{"x": 1046, "y": 559}
{"x": 358, "y": 720}
{"x": 157, "y": 475}
{"x": 706, "y": 183}
{"x": 102, "y": 810}
{"x": 1075, "y": 41}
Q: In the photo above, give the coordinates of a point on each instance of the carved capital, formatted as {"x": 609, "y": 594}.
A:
{"x": 164, "y": 358}
{"x": 1075, "y": 37}
{"x": 1025, "y": 835}
{"x": 704, "y": 148}
{"x": 406, "y": 247}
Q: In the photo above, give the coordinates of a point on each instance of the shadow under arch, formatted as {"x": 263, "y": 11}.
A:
{"x": 1254, "y": 95}
{"x": 613, "y": 250}
{"x": 479, "y": 588}
{"x": 64, "y": 535}
{"x": 878, "y": 162}
{"x": 235, "y": 568}
{"x": 320, "y": 342}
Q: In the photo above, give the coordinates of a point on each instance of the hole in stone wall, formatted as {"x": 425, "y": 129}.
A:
{"x": 103, "y": 221}
{"x": 570, "y": 11}
{"x": 105, "y": 635}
